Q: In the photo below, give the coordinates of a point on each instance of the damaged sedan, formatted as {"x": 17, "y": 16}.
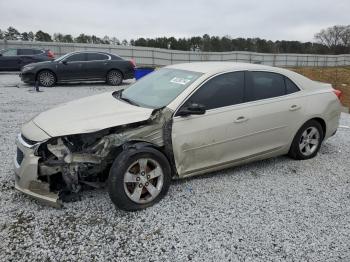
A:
{"x": 179, "y": 121}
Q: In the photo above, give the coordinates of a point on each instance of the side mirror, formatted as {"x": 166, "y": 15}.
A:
{"x": 192, "y": 109}
{"x": 64, "y": 62}
{"x": 0, "y": 54}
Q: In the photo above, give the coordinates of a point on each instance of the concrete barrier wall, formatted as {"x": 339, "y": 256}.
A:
{"x": 160, "y": 57}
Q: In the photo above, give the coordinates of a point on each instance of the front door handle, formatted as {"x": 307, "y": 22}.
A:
{"x": 241, "y": 119}
{"x": 294, "y": 107}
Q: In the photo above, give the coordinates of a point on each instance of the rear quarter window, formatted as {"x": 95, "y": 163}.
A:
{"x": 290, "y": 86}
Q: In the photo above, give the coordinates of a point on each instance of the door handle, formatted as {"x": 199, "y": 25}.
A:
{"x": 294, "y": 107}
{"x": 241, "y": 119}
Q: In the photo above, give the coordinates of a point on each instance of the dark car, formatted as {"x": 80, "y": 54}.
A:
{"x": 80, "y": 66}
{"x": 16, "y": 58}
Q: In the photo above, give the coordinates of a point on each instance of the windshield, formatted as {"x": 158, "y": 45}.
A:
{"x": 159, "y": 88}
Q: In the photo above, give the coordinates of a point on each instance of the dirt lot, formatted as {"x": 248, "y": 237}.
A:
{"x": 273, "y": 210}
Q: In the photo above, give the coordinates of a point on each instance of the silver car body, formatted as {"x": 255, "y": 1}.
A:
{"x": 220, "y": 138}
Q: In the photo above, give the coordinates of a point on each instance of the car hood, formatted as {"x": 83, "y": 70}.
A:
{"x": 90, "y": 114}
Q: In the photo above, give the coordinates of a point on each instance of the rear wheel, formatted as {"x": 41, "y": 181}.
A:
{"x": 307, "y": 141}
{"x": 114, "y": 78}
{"x": 46, "y": 78}
{"x": 138, "y": 178}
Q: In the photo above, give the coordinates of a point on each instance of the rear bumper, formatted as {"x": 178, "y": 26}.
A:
{"x": 26, "y": 174}
{"x": 27, "y": 77}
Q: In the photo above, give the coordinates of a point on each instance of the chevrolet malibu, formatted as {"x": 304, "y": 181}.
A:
{"x": 180, "y": 121}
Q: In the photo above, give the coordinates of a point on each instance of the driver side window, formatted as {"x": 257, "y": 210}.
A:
{"x": 223, "y": 90}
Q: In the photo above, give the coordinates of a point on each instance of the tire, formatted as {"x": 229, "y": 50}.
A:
{"x": 307, "y": 141}
{"x": 129, "y": 186}
{"x": 114, "y": 78}
{"x": 46, "y": 78}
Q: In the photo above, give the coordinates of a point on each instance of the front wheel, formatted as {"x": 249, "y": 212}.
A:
{"x": 114, "y": 78}
{"x": 307, "y": 141}
{"x": 138, "y": 178}
{"x": 46, "y": 78}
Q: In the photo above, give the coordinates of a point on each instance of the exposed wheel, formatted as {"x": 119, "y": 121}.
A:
{"x": 46, "y": 78}
{"x": 307, "y": 141}
{"x": 114, "y": 78}
{"x": 138, "y": 178}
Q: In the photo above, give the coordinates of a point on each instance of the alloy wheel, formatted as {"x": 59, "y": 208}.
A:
{"x": 46, "y": 79}
{"x": 114, "y": 78}
{"x": 143, "y": 180}
{"x": 309, "y": 141}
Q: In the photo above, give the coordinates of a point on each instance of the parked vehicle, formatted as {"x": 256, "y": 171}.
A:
{"x": 16, "y": 58}
{"x": 80, "y": 66}
{"x": 179, "y": 121}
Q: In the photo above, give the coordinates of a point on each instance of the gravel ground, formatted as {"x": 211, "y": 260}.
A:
{"x": 272, "y": 210}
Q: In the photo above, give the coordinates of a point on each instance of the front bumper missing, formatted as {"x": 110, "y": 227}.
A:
{"x": 26, "y": 175}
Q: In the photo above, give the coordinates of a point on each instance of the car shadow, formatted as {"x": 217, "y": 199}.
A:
{"x": 80, "y": 84}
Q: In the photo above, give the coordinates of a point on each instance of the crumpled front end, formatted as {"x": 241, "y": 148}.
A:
{"x": 26, "y": 173}
{"x": 56, "y": 169}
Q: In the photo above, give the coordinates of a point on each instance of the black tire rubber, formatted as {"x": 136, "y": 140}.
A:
{"x": 108, "y": 80}
{"x": 43, "y": 84}
{"x": 118, "y": 169}
{"x": 294, "y": 151}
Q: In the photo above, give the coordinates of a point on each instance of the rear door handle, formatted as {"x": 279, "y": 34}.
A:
{"x": 241, "y": 119}
{"x": 294, "y": 107}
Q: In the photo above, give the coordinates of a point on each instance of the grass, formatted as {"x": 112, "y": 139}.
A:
{"x": 339, "y": 77}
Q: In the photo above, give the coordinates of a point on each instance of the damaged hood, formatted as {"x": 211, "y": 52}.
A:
{"x": 90, "y": 114}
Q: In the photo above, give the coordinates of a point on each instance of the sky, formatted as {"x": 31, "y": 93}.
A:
{"x": 131, "y": 19}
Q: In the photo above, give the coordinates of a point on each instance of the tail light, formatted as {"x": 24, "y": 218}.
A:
{"x": 132, "y": 61}
{"x": 50, "y": 54}
{"x": 337, "y": 93}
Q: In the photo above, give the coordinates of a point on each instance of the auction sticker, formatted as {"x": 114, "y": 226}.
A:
{"x": 180, "y": 81}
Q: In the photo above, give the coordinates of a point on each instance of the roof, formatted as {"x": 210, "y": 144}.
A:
{"x": 211, "y": 68}
{"x": 214, "y": 67}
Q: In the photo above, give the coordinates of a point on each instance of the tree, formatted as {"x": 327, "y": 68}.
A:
{"x": 330, "y": 37}
{"x": 345, "y": 36}
{"x": 1, "y": 35}
{"x": 106, "y": 40}
{"x": 42, "y": 36}
{"x": 115, "y": 41}
{"x": 67, "y": 39}
{"x": 24, "y": 36}
{"x": 12, "y": 34}
{"x": 82, "y": 38}
{"x": 31, "y": 36}
{"x": 57, "y": 37}
{"x": 125, "y": 42}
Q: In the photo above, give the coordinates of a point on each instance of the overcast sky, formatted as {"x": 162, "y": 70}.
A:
{"x": 269, "y": 19}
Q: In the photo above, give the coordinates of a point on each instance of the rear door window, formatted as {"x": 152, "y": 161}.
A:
{"x": 263, "y": 85}
{"x": 76, "y": 58}
{"x": 96, "y": 57}
{"x": 223, "y": 90}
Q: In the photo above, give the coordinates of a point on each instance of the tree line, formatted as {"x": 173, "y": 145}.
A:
{"x": 332, "y": 40}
